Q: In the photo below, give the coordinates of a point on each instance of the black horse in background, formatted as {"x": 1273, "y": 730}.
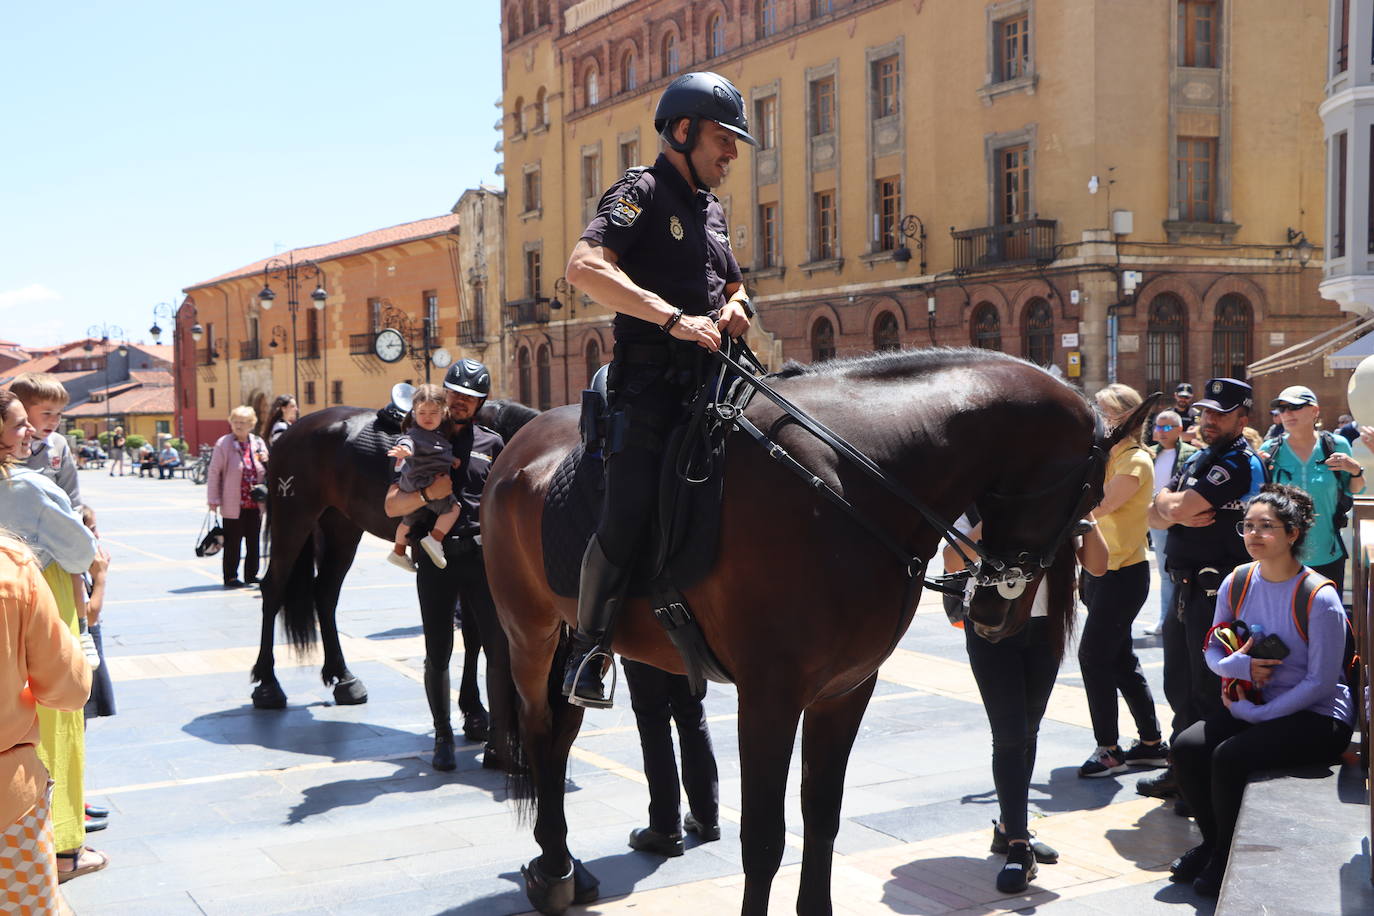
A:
{"x": 327, "y": 480}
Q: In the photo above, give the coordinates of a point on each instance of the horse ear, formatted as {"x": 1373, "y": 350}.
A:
{"x": 1133, "y": 422}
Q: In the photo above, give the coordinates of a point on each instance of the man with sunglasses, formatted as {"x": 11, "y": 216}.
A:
{"x": 1171, "y": 453}
{"x": 1200, "y": 506}
{"x": 1320, "y": 464}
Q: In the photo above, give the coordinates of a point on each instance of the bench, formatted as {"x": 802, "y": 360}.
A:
{"x": 1301, "y": 844}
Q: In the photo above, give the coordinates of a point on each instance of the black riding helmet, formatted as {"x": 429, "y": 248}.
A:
{"x": 468, "y": 376}
{"x": 696, "y": 96}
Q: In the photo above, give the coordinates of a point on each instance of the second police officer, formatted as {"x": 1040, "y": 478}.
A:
{"x": 658, "y": 254}
{"x": 1201, "y": 506}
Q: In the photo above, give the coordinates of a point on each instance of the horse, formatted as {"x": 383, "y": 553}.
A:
{"x": 327, "y": 480}
{"x": 802, "y": 613}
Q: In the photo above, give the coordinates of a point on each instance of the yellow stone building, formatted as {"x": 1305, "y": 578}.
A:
{"x": 437, "y": 282}
{"x": 1120, "y": 190}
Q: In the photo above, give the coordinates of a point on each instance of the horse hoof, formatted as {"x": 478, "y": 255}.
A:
{"x": 586, "y": 889}
{"x": 350, "y": 692}
{"x": 548, "y": 895}
{"x": 269, "y": 696}
{"x": 475, "y": 727}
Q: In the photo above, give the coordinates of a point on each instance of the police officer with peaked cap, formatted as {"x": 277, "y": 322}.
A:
{"x": 1201, "y": 505}
{"x": 658, "y": 254}
{"x": 475, "y": 447}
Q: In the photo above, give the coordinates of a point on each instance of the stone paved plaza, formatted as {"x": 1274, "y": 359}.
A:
{"x": 221, "y": 809}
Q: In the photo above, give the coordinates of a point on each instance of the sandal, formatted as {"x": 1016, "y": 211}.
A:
{"x": 82, "y": 863}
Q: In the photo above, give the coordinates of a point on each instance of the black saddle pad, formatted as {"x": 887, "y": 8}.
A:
{"x": 688, "y": 535}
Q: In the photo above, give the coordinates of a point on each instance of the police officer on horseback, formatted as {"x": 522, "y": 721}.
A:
{"x": 658, "y": 254}
{"x": 467, "y": 384}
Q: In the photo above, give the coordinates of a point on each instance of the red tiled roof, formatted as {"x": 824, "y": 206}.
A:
{"x": 379, "y": 238}
{"x": 135, "y": 401}
{"x": 117, "y": 387}
{"x": 152, "y": 378}
{"x": 160, "y": 352}
{"x": 41, "y": 364}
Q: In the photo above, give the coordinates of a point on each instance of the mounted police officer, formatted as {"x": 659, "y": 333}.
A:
{"x": 475, "y": 448}
{"x": 658, "y": 254}
{"x": 1201, "y": 506}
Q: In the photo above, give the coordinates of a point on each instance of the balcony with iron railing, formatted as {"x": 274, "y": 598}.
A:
{"x": 472, "y": 332}
{"x": 206, "y": 356}
{"x": 250, "y": 349}
{"x": 527, "y": 311}
{"x": 362, "y": 344}
{"x": 308, "y": 348}
{"x": 1030, "y": 241}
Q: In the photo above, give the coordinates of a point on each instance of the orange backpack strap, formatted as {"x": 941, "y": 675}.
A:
{"x": 1303, "y": 597}
{"x": 1242, "y": 575}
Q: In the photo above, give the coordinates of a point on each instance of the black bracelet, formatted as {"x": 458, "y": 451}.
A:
{"x": 672, "y": 321}
{"x": 423, "y": 494}
{"x": 745, "y": 304}
{"x": 1359, "y": 476}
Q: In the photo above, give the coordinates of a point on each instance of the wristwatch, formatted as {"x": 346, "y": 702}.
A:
{"x": 746, "y": 305}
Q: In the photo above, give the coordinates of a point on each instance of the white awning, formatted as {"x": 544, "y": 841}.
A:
{"x": 1313, "y": 348}
{"x": 1352, "y": 354}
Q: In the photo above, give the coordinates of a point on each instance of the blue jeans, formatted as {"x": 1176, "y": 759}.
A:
{"x": 1167, "y": 588}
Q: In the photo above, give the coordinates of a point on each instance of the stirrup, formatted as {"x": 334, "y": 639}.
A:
{"x": 601, "y": 702}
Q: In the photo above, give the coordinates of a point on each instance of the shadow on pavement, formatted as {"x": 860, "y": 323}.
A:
{"x": 1067, "y": 791}
{"x": 930, "y": 880}
{"x": 411, "y": 775}
{"x": 398, "y": 633}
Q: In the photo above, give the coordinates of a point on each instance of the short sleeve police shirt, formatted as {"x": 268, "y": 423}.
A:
{"x": 669, "y": 239}
{"x": 474, "y": 448}
{"x": 1227, "y": 478}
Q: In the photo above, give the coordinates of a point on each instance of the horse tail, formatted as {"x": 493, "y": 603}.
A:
{"x": 298, "y": 594}
{"x": 521, "y": 781}
{"x": 1062, "y": 579}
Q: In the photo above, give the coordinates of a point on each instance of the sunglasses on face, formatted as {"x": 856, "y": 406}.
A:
{"x": 1292, "y": 408}
{"x": 1166, "y": 427}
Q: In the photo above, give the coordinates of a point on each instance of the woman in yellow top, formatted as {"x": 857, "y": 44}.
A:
{"x": 1105, "y": 655}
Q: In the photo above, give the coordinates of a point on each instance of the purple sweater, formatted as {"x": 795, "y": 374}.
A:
{"x": 1310, "y": 678}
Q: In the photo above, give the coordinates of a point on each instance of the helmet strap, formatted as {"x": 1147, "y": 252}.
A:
{"x": 686, "y": 147}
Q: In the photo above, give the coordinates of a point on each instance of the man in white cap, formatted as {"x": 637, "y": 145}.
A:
{"x": 1320, "y": 463}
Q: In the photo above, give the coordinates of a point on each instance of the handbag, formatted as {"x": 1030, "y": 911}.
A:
{"x": 210, "y": 541}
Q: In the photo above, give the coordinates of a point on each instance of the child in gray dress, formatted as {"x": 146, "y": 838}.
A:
{"x": 422, "y": 455}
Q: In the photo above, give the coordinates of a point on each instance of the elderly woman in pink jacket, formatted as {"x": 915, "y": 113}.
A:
{"x": 236, "y": 467}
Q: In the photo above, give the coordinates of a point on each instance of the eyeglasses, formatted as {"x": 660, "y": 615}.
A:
{"x": 1263, "y": 529}
{"x": 1166, "y": 428}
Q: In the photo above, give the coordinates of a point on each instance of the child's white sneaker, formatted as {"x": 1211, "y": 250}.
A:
{"x": 402, "y": 560}
{"x": 435, "y": 549}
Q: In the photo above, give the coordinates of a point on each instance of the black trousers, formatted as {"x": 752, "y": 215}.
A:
{"x": 1213, "y": 760}
{"x": 1192, "y": 689}
{"x": 1335, "y": 571}
{"x": 439, "y": 590}
{"x": 1108, "y": 659}
{"x": 656, "y": 696}
{"x": 243, "y": 530}
{"x": 1015, "y": 677}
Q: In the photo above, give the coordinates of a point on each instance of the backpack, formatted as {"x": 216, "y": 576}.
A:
{"x": 1303, "y": 596}
{"x": 1344, "y": 501}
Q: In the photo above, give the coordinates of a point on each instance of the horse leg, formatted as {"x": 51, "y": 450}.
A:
{"x": 828, "y": 733}
{"x": 337, "y": 543}
{"x": 767, "y": 728}
{"x": 291, "y": 559}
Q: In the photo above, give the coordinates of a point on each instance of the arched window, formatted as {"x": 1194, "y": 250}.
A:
{"x": 539, "y": 116}
{"x": 1164, "y": 343}
{"x": 593, "y": 357}
{"x": 591, "y": 87}
{"x": 523, "y": 362}
{"x": 671, "y": 64}
{"x": 517, "y": 116}
{"x": 512, "y": 22}
{"x": 528, "y": 17}
{"x": 545, "y": 361}
{"x": 765, "y": 18}
{"x": 987, "y": 327}
{"x": 886, "y": 334}
{"x": 1039, "y": 332}
{"x": 822, "y": 340}
{"x": 629, "y": 71}
{"x": 1231, "y": 337}
{"x": 715, "y": 35}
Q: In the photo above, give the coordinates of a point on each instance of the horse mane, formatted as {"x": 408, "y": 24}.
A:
{"x": 505, "y": 417}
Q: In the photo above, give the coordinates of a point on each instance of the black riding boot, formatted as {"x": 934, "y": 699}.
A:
{"x": 437, "y": 692}
{"x": 600, "y": 593}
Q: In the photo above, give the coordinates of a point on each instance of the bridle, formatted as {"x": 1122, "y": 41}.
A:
{"x": 1008, "y": 573}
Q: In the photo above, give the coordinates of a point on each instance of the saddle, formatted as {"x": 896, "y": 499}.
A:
{"x": 685, "y": 536}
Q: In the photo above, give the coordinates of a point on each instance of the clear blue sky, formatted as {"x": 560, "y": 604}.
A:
{"x": 151, "y": 145}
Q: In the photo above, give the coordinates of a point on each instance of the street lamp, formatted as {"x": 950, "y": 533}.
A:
{"x": 1301, "y": 246}
{"x": 291, "y": 273}
{"x": 106, "y": 331}
{"x": 561, "y": 288}
{"x": 911, "y": 227}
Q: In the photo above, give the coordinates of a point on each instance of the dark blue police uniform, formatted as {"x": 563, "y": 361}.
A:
{"x": 672, "y": 241}
{"x": 1227, "y": 475}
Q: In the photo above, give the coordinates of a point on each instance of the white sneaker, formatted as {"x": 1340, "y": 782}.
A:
{"x": 402, "y": 560}
{"x": 435, "y": 549}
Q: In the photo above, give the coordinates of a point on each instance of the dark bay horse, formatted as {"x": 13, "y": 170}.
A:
{"x": 327, "y": 480}
{"x": 803, "y": 604}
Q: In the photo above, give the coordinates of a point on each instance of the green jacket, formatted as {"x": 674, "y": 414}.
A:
{"x": 1185, "y": 451}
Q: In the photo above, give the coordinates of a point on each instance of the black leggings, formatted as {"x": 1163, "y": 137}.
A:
{"x": 439, "y": 590}
{"x": 242, "y": 530}
{"x": 657, "y": 696}
{"x": 1015, "y": 677}
{"x": 1107, "y": 658}
{"x": 1213, "y": 760}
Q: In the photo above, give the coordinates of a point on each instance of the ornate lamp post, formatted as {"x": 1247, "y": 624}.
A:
{"x": 911, "y": 227}
{"x": 105, "y": 332}
{"x": 291, "y": 273}
{"x": 561, "y": 292}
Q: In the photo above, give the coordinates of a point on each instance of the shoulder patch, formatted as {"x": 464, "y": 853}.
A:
{"x": 1218, "y": 475}
{"x": 624, "y": 212}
